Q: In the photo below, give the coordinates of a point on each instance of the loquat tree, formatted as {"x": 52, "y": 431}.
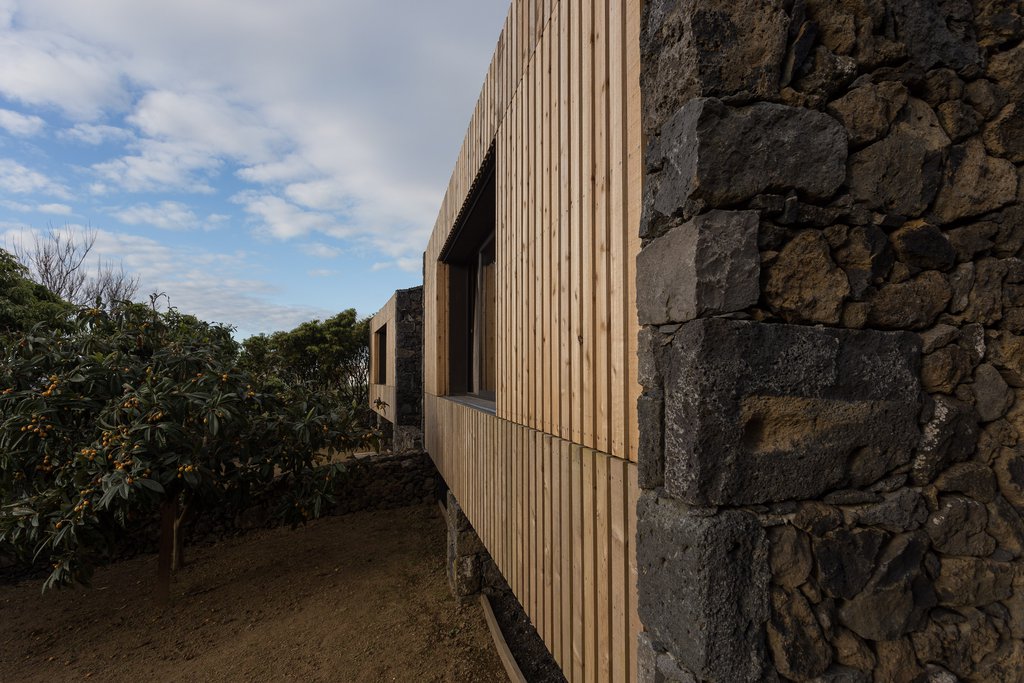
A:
{"x": 131, "y": 414}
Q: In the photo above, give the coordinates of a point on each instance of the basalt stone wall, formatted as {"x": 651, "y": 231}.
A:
{"x": 407, "y": 434}
{"x": 831, "y": 291}
{"x": 470, "y": 567}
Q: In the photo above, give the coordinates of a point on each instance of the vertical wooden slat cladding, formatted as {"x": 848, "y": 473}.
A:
{"x": 559, "y": 521}
{"x": 567, "y": 136}
{"x": 549, "y": 481}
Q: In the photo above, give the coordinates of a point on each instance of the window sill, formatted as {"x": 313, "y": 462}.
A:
{"x": 474, "y": 402}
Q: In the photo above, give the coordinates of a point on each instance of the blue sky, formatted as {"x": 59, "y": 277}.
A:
{"x": 262, "y": 162}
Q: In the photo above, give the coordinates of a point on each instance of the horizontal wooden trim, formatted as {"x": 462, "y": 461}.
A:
{"x": 473, "y": 402}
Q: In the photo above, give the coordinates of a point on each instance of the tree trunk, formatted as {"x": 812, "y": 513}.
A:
{"x": 168, "y": 517}
{"x": 178, "y": 548}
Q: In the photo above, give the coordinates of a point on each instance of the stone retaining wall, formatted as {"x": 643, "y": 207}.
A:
{"x": 470, "y": 567}
{"x": 371, "y": 482}
{"x": 832, "y": 299}
{"x": 407, "y": 434}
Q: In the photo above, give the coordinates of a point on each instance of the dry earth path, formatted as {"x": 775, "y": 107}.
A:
{"x": 362, "y": 597}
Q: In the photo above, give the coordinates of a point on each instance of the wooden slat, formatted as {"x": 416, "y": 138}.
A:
{"x": 530, "y": 522}
{"x": 602, "y": 569}
{"x": 590, "y": 577}
{"x": 547, "y": 571}
{"x": 587, "y": 203}
{"x": 618, "y": 572}
{"x": 579, "y": 613}
{"x": 567, "y": 591}
{"x": 552, "y": 390}
{"x": 576, "y": 219}
{"x": 601, "y": 281}
{"x": 557, "y": 548}
{"x": 635, "y": 627}
{"x": 618, "y": 231}
{"x": 634, "y": 175}
{"x": 564, "y": 202}
{"x": 544, "y": 237}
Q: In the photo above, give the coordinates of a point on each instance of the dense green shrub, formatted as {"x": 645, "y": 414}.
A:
{"x": 23, "y": 303}
{"x": 129, "y": 413}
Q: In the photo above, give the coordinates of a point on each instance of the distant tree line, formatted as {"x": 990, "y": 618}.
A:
{"x": 334, "y": 352}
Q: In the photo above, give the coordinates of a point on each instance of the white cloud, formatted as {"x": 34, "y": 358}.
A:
{"x": 306, "y": 98}
{"x": 411, "y": 265}
{"x": 207, "y": 121}
{"x": 290, "y": 168}
{"x": 7, "y": 8}
{"x": 166, "y": 215}
{"x": 321, "y": 272}
{"x": 56, "y": 209}
{"x": 320, "y": 250}
{"x": 22, "y": 125}
{"x": 161, "y": 166}
{"x": 15, "y": 206}
{"x": 321, "y": 120}
{"x": 215, "y": 221}
{"x": 50, "y": 69}
{"x": 278, "y": 218}
{"x": 21, "y": 207}
{"x": 214, "y": 286}
{"x": 93, "y": 134}
{"x": 22, "y": 180}
{"x": 325, "y": 194}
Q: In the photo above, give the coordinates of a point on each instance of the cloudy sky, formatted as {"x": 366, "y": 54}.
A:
{"x": 262, "y": 162}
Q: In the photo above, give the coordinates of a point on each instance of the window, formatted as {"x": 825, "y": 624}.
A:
{"x": 472, "y": 289}
{"x": 380, "y": 355}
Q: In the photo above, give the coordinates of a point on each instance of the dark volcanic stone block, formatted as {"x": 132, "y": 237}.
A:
{"x": 703, "y": 587}
{"x": 712, "y": 47}
{"x": 707, "y": 265}
{"x": 757, "y": 412}
{"x": 710, "y": 155}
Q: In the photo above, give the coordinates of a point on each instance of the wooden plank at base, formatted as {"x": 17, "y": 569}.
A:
{"x": 515, "y": 674}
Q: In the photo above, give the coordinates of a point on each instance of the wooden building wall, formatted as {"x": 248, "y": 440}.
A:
{"x": 549, "y": 481}
{"x": 384, "y": 392}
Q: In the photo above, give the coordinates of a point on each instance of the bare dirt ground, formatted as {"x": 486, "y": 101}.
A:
{"x": 362, "y": 597}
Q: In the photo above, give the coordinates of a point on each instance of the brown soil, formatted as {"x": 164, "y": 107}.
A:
{"x": 361, "y": 597}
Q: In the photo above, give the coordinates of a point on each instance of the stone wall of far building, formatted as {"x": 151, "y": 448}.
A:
{"x": 832, "y": 299}
{"x": 407, "y": 430}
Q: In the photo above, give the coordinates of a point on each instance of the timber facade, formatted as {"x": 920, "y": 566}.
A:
{"x": 396, "y": 368}
{"x": 546, "y": 471}
{"x": 723, "y": 338}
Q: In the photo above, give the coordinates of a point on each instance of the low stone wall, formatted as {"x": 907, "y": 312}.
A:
{"x": 832, "y": 295}
{"x": 371, "y": 482}
{"x": 382, "y": 482}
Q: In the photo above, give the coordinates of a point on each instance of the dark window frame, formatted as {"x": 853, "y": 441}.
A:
{"x": 470, "y": 256}
{"x": 380, "y": 344}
